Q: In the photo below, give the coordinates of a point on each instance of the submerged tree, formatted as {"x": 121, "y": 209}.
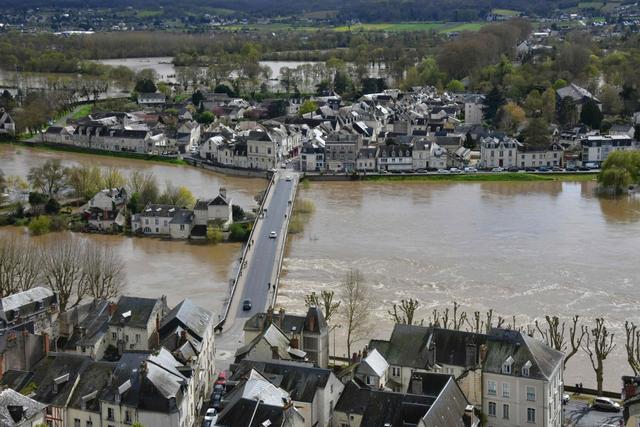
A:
{"x": 355, "y": 307}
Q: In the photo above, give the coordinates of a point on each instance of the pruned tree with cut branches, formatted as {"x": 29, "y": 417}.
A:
{"x": 19, "y": 265}
{"x": 553, "y": 334}
{"x": 598, "y": 344}
{"x": 64, "y": 272}
{"x": 325, "y": 301}
{"x": 632, "y": 345}
{"x": 405, "y": 311}
{"x": 355, "y": 307}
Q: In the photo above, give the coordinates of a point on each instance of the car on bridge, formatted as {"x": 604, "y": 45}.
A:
{"x": 246, "y": 305}
{"x": 289, "y": 178}
{"x": 273, "y": 235}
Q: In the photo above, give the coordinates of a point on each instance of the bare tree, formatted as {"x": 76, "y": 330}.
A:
{"x": 355, "y": 307}
{"x": 49, "y": 178}
{"x": 325, "y": 300}
{"x": 104, "y": 272}
{"x": 553, "y": 333}
{"x": 405, "y": 312}
{"x": 63, "y": 270}
{"x": 632, "y": 345}
{"x": 19, "y": 265}
{"x": 598, "y": 344}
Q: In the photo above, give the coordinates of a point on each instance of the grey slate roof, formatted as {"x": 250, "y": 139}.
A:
{"x": 503, "y": 343}
{"x": 21, "y": 299}
{"x": 182, "y": 216}
{"x": 381, "y": 408}
{"x": 190, "y": 316}
{"x": 139, "y": 311}
{"x": 16, "y": 379}
{"x": 153, "y": 210}
{"x": 92, "y": 327}
{"x": 300, "y": 380}
{"x": 62, "y": 367}
{"x": 92, "y": 381}
{"x": 10, "y": 397}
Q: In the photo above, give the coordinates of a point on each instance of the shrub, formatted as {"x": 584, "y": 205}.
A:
{"x": 304, "y": 207}
{"x": 239, "y": 232}
{"x": 52, "y": 206}
{"x": 58, "y": 223}
{"x": 40, "y": 225}
{"x": 237, "y": 212}
{"x": 214, "y": 235}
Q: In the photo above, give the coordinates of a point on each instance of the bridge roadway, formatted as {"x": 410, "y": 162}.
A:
{"x": 261, "y": 266}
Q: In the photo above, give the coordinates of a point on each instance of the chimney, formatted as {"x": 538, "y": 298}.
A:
{"x": 45, "y": 343}
{"x": 281, "y": 318}
{"x": 294, "y": 342}
{"x": 416, "y": 384}
{"x": 471, "y": 357}
{"x": 365, "y": 353}
{"x": 183, "y": 337}
{"x": 275, "y": 354}
{"x": 223, "y": 192}
{"x": 269, "y": 316}
{"x": 483, "y": 353}
{"x": 112, "y": 308}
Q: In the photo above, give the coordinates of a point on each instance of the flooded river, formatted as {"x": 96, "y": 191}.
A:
{"x": 527, "y": 249}
{"x": 153, "y": 266}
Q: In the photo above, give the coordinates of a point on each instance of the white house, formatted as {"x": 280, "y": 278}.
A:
{"x": 220, "y": 208}
{"x": 134, "y": 323}
{"x": 547, "y": 156}
{"x": 103, "y": 210}
{"x": 366, "y": 160}
{"x": 262, "y": 150}
{"x": 154, "y": 220}
{"x": 428, "y": 155}
{"x": 7, "y": 125}
{"x": 395, "y": 157}
{"x": 152, "y": 99}
{"x": 181, "y": 224}
{"x": 596, "y": 148}
{"x": 499, "y": 152}
{"x": 372, "y": 370}
{"x": 523, "y": 381}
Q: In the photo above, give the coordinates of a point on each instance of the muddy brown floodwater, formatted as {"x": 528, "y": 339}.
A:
{"x": 525, "y": 249}
{"x": 156, "y": 267}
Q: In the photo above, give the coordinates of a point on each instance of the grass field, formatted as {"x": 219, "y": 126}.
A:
{"x": 590, "y": 5}
{"x": 443, "y": 27}
{"x": 148, "y": 13}
{"x": 82, "y": 111}
{"x": 505, "y": 12}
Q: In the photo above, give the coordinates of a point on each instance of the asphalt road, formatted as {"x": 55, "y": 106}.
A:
{"x": 578, "y": 414}
{"x": 264, "y": 260}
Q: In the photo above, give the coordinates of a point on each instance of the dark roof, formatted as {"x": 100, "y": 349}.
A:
{"x": 16, "y": 379}
{"x": 244, "y": 410}
{"x": 301, "y": 381}
{"x": 55, "y": 375}
{"x": 182, "y": 216}
{"x": 414, "y": 346}
{"x": 503, "y": 343}
{"x": 91, "y": 328}
{"x": 54, "y": 129}
{"x": 188, "y": 315}
{"x": 380, "y": 408}
{"x": 313, "y": 321}
{"x": 153, "y": 210}
{"x": 92, "y": 381}
{"x": 137, "y": 310}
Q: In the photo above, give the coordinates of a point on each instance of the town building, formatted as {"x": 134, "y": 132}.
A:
{"x": 428, "y": 155}
{"x": 311, "y": 158}
{"x": 395, "y": 158}
{"x": 152, "y": 99}
{"x": 17, "y": 410}
{"x": 341, "y": 151}
{"x": 366, "y": 161}
{"x": 134, "y": 323}
{"x": 596, "y": 148}
{"x": 7, "y": 125}
{"x": 219, "y": 209}
{"x": 154, "y": 220}
{"x": 104, "y": 210}
{"x": 499, "y": 151}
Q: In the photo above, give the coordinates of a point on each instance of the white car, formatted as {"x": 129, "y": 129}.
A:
{"x": 289, "y": 178}
{"x": 497, "y": 170}
{"x": 210, "y": 414}
{"x": 469, "y": 169}
{"x": 455, "y": 170}
{"x": 605, "y": 404}
{"x": 273, "y": 235}
{"x": 443, "y": 171}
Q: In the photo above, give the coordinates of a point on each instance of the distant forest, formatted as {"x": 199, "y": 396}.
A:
{"x": 363, "y": 10}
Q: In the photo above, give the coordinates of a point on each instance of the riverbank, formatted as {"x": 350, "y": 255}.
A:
{"x": 476, "y": 177}
{"x": 82, "y": 150}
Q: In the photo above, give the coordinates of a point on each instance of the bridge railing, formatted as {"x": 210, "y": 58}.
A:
{"x": 236, "y": 279}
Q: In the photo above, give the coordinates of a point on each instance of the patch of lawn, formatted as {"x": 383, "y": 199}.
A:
{"x": 467, "y": 26}
{"x": 505, "y": 12}
{"x": 82, "y": 111}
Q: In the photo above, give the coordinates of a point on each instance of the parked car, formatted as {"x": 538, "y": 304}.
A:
{"x": 216, "y": 401}
{"x": 273, "y": 235}
{"x": 497, "y": 169}
{"x": 222, "y": 378}
{"x": 557, "y": 169}
{"x": 605, "y": 404}
{"x": 584, "y": 169}
{"x": 565, "y": 398}
{"x": 571, "y": 169}
{"x": 530, "y": 169}
{"x": 513, "y": 169}
{"x": 246, "y": 305}
{"x": 470, "y": 169}
{"x": 289, "y": 178}
{"x": 283, "y": 166}
{"x": 443, "y": 171}
{"x": 544, "y": 169}
{"x": 455, "y": 170}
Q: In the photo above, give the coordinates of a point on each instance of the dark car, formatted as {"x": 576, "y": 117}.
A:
{"x": 246, "y": 305}
{"x": 543, "y": 169}
{"x": 557, "y": 169}
{"x": 513, "y": 169}
{"x": 530, "y": 169}
{"x": 571, "y": 169}
{"x": 216, "y": 400}
{"x": 584, "y": 169}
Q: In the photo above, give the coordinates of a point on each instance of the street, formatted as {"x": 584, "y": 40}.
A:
{"x": 577, "y": 413}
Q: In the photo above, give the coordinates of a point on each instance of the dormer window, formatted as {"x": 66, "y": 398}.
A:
{"x": 506, "y": 366}
{"x": 525, "y": 368}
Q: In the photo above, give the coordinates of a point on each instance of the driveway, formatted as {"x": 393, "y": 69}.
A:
{"x": 577, "y": 413}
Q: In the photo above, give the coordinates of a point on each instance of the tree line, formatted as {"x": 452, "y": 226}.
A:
{"x": 352, "y": 305}
{"x": 73, "y": 268}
